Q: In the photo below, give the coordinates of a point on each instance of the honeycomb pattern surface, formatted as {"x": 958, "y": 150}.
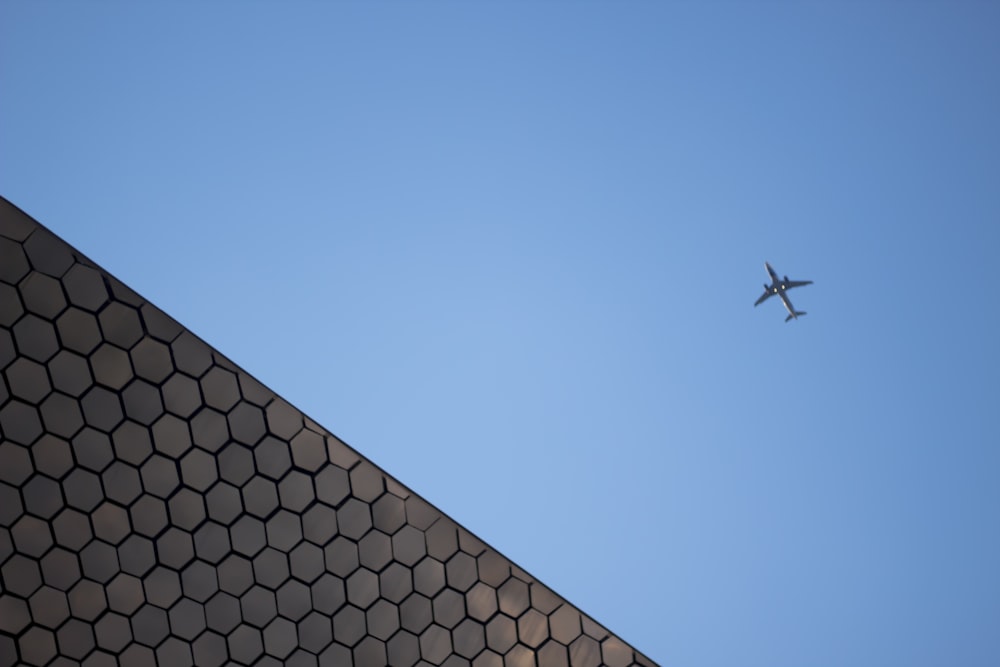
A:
{"x": 159, "y": 506}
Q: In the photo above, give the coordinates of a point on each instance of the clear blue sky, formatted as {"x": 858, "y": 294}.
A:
{"x": 509, "y": 251}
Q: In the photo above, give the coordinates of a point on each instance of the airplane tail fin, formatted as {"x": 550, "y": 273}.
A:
{"x": 798, "y": 313}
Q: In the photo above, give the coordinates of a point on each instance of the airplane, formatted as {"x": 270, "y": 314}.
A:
{"x": 779, "y": 287}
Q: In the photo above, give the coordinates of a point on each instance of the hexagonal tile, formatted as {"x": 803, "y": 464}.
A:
{"x": 162, "y": 587}
{"x": 11, "y": 307}
{"x": 174, "y": 652}
{"x": 27, "y": 380}
{"x": 158, "y": 324}
{"x": 142, "y": 402}
{"x": 211, "y": 542}
{"x": 283, "y": 420}
{"x": 125, "y": 593}
{"x": 564, "y": 624}
{"x": 222, "y": 613}
{"x": 99, "y": 561}
{"x": 246, "y": 423}
{"x": 513, "y": 596}
{"x": 209, "y": 650}
{"x": 149, "y": 516}
{"x": 102, "y": 409}
{"x": 78, "y": 331}
{"x": 60, "y": 569}
{"x": 224, "y": 503}
{"x": 315, "y": 631}
{"x": 110, "y": 366}
{"x": 235, "y": 464}
{"x": 186, "y": 509}
{"x": 15, "y": 463}
{"x": 501, "y": 633}
{"x": 449, "y": 608}
{"x": 61, "y": 415}
{"x": 259, "y": 606}
{"x": 270, "y": 568}
{"x": 481, "y": 601}
{"x": 38, "y": 646}
{"x": 151, "y": 360}
{"x": 348, "y": 625}
{"x": 469, "y": 638}
{"x": 328, "y": 594}
{"x": 280, "y": 638}
{"x": 585, "y": 651}
{"x": 260, "y": 497}
{"x": 82, "y": 489}
{"x": 332, "y": 485}
{"x": 209, "y": 429}
{"x": 248, "y": 535}
{"x": 362, "y": 588}
{"x": 21, "y": 575}
{"x": 295, "y": 600}
{"x": 85, "y": 288}
{"x": 52, "y": 456}
{"x": 389, "y": 513}
{"x": 306, "y": 561}
{"x": 49, "y": 607}
{"x": 308, "y": 450}
{"x": 120, "y": 324}
{"x": 31, "y": 536}
{"x": 21, "y": 422}
{"x": 370, "y": 651}
{"x": 47, "y": 253}
{"x": 220, "y": 389}
{"x": 198, "y": 470}
{"x": 460, "y": 571}
{"x": 403, "y": 649}
{"x": 42, "y": 295}
{"x": 113, "y": 632}
{"x": 150, "y": 625}
{"x": 435, "y": 644}
{"x": 415, "y": 613}
{"x": 72, "y": 529}
{"x": 367, "y": 482}
{"x": 35, "y": 338}
{"x": 175, "y": 548}
{"x": 273, "y": 457}
{"x": 187, "y": 619}
{"x": 13, "y": 263}
{"x": 181, "y": 395}
{"x": 136, "y": 555}
{"x": 375, "y": 550}
{"x": 354, "y": 518}
{"x": 395, "y": 582}
{"x": 87, "y": 600}
{"x": 428, "y": 577}
{"x": 235, "y": 574}
{"x": 159, "y": 476}
{"x": 295, "y": 492}
{"x": 92, "y": 449}
{"x": 171, "y": 436}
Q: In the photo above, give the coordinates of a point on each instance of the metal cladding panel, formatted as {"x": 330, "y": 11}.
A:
{"x": 160, "y": 506}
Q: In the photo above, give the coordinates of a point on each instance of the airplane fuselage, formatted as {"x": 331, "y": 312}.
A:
{"x": 780, "y": 288}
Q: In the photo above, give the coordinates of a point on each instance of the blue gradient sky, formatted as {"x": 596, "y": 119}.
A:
{"x": 509, "y": 252}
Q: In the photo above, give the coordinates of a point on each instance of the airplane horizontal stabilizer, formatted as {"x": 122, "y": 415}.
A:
{"x": 798, "y": 313}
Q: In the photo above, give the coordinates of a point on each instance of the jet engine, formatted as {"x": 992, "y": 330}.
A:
{"x": 786, "y": 279}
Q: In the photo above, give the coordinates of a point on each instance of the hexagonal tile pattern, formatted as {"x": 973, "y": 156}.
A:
{"x": 159, "y": 506}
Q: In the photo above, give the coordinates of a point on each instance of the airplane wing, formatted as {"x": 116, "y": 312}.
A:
{"x": 797, "y": 283}
{"x": 763, "y": 297}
